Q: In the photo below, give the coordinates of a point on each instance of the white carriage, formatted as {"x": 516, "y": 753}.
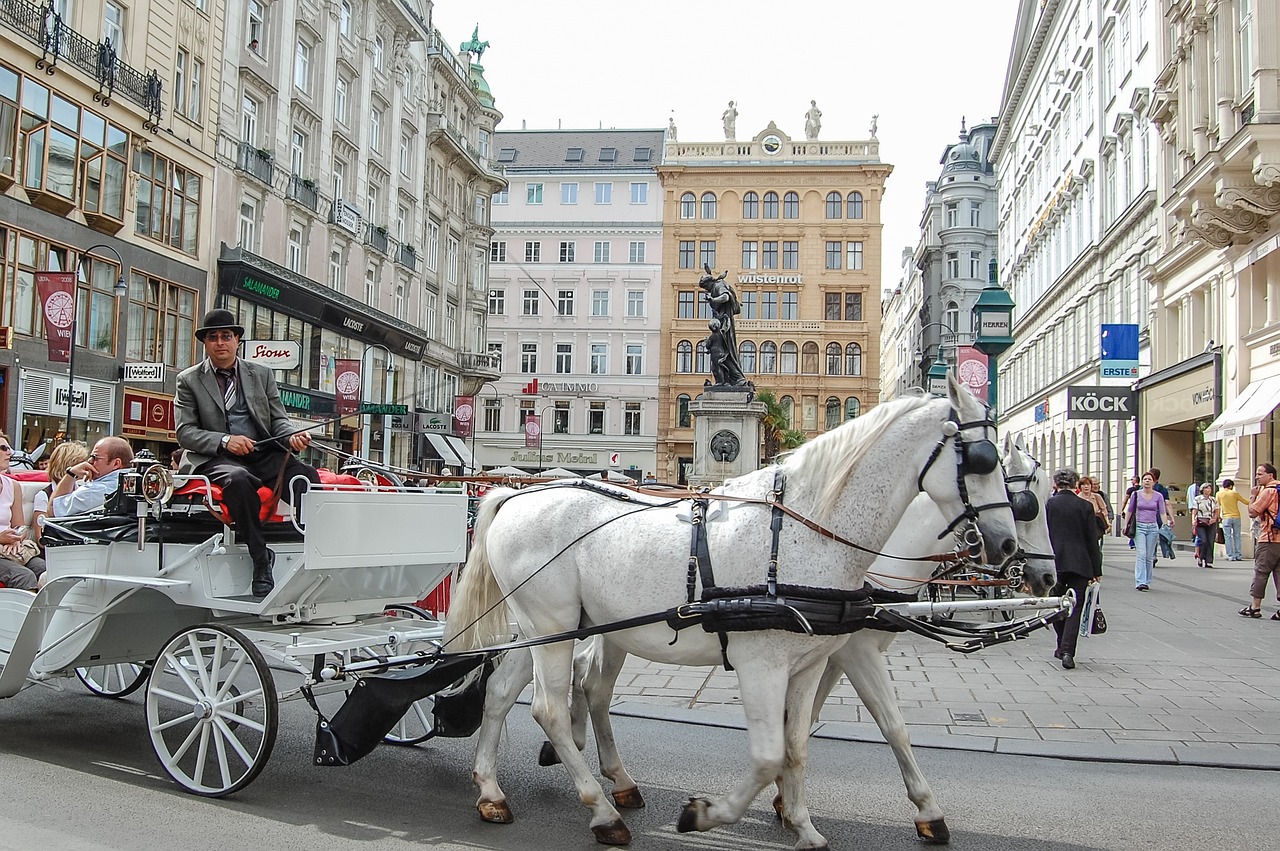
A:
{"x": 160, "y": 601}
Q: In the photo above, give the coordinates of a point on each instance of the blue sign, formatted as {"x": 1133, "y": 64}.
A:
{"x": 1120, "y": 351}
{"x": 1042, "y": 411}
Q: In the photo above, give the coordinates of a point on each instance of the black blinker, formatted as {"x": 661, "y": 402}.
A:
{"x": 1026, "y": 507}
{"x": 981, "y": 457}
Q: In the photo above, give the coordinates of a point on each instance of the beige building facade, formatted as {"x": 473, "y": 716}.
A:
{"x": 796, "y": 224}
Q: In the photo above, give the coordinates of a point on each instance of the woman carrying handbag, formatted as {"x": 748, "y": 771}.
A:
{"x": 1205, "y": 515}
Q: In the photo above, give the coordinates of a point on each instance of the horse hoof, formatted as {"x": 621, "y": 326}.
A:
{"x": 614, "y": 833}
{"x": 628, "y": 799}
{"x": 690, "y": 815}
{"x": 495, "y": 812}
{"x": 548, "y": 756}
{"x": 934, "y": 832}
{"x": 777, "y": 806}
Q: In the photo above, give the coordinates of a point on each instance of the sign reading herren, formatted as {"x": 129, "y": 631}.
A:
{"x": 1100, "y": 403}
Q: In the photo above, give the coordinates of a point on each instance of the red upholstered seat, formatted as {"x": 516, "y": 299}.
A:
{"x": 328, "y": 477}
{"x": 197, "y": 489}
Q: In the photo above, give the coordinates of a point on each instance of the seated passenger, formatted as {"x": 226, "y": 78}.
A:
{"x": 86, "y": 486}
{"x": 65, "y": 456}
{"x": 13, "y": 572}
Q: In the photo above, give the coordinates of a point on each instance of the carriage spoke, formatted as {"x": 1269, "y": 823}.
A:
{"x": 186, "y": 744}
{"x": 229, "y": 735}
{"x": 173, "y": 722}
{"x": 175, "y": 664}
{"x": 244, "y": 722}
{"x": 179, "y": 698}
{"x": 197, "y": 658}
{"x": 224, "y": 770}
{"x": 229, "y": 682}
{"x": 202, "y": 753}
{"x": 239, "y": 698}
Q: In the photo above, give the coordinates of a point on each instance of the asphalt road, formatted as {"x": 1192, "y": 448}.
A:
{"x": 79, "y": 774}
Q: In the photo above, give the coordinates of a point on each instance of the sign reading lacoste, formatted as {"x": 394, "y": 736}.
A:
{"x": 1100, "y": 403}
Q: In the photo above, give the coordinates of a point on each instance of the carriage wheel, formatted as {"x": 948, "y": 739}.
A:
{"x": 418, "y": 723}
{"x": 114, "y": 680}
{"x": 211, "y": 710}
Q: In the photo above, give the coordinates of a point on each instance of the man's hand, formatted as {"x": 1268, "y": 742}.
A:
{"x": 300, "y": 441}
{"x": 239, "y": 444}
{"x": 83, "y": 471}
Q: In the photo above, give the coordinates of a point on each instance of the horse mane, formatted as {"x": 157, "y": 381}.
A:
{"x": 833, "y": 457}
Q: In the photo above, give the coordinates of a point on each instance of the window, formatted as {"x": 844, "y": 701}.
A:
{"x": 768, "y": 357}
{"x": 371, "y": 287}
{"x": 293, "y": 252}
{"x": 344, "y": 18}
{"x": 951, "y": 214}
{"x": 790, "y": 305}
{"x": 834, "y": 358}
{"x": 790, "y": 254}
{"x": 533, "y": 193}
{"x": 853, "y": 361}
{"x": 257, "y": 28}
{"x": 567, "y": 251}
{"x": 635, "y": 252}
{"x": 498, "y": 251}
{"x": 161, "y": 318}
{"x": 568, "y": 193}
{"x": 975, "y": 212}
{"x": 375, "y": 129}
{"x": 835, "y": 206}
{"x": 852, "y": 407}
{"x": 639, "y": 193}
{"x": 751, "y": 206}
{"x": 953, "y": 264}
{"x": 769, "y": 257}
{"x": 832, "y": 306}
{"x": 604, "y": 193}
{"x": 493, "y": 414}
{"x": 497, "y": 302}
{"x": 747, "y": 356}
{"x": 452, "y": 266}
{"x": 771, "y": 205}
{"x": 533, "y": 252}
{"x": 707, "y": 254}
{"x": 113, "y": 23}
{"x": 975, "y": 264}
{"x": 302, "y": 66}
{"x": 181, "y": 62}
{"x": 768, "y": 305}
{"x": 433, "y": 244}
{"x": 791, "y": 206}
{"x": 687, "y": 205}
{"x": 297, "y": 152}
{"x": 595, "y": 417}
{"x": 560, "y": 418}
{"x": 855, "y": 205}
{"x": 683, "y": 418}
{"x": 526, "y": 411}
{"x": 379, "y": 52}
{"x": 336, "y": 266}
{"x": 631, "y": 418}
{"x": 635, "y": 303}
{"x": 502, "y": 197}
{"x": 635, "y": 359}
{"x": 687, "y": 254}
{"x": 599, "y": 358}
{"x": 169, "y": 204}
{"x": 853, "y": 260}
{"x": 708, "y": 205}
{"x": 406, "y": 155}
{"x": 750, "y": 255}
{"x": 528, "y": 357}
{"x": 787, "y": 359}
{"x": 529, "y": 306}
{"x": 599, "y": 302}
{"x": 833, "y": 411}
{"x": 564, "y": 303}
{"x": 1246, "y": 58}
{"x": 564, "y": 358}
{"x": 833, "y": 254}
{"x": 684, "y": 356}
{"x": 951, "y": 317}
{"x": 601, "y": 252}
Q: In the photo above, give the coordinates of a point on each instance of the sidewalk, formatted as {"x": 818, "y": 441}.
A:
{"x": 1179, "y": 678}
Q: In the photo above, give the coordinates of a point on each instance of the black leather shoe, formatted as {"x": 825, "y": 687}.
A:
{"x": 263, "y": 579}
{"x": 1068, "y": 661}
{"x": 1057, "y": 654}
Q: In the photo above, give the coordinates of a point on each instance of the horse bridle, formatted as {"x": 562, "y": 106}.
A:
{"x": 1026, "y": 507}
{"x": 973, "y": 458}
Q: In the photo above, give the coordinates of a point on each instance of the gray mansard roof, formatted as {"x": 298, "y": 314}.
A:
{"x": 578, "y": 150}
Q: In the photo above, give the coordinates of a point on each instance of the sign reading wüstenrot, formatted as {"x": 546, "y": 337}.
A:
{"x": 1100, "y": 403}
{"x": 274, "y": 354}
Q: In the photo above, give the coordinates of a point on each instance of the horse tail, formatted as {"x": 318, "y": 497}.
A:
{"x": 477, "y": 613}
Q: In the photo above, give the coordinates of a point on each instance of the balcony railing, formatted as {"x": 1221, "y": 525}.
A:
{"x": 408, "y": 257}
{"x": 304, "y": 192}
{"x": 257, "y": 162}
{"x": 376, "y": 236}
{"x": 479, "y": 363}
{"x": 45, "y": 28}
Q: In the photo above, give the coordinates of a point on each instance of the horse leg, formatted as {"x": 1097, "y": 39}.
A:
{"x": 553, "y": 675}
{"x": 505, "y": 685}
{"x": 863, "y": 660}
{"x": 797, "y": 725}
{"x": 831, "y": 675}
{"x": 605, "y": 663}
{"x": 583, "y": 658}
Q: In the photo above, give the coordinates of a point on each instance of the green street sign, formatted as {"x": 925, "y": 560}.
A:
{"x": 392, "y": 410}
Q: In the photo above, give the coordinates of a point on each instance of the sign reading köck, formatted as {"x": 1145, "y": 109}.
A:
{"x": 1100, "y": 403}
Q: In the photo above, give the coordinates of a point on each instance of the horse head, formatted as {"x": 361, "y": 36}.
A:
{"x": 1029, "y": 489}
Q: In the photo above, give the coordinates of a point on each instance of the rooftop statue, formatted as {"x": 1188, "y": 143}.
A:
{"x": 475, "y": 46}
{"x": 730, "y": 119}
{"x": 812, "y": 121}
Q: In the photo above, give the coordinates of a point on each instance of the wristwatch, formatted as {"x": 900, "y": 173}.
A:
{"x": 226, "y": 438}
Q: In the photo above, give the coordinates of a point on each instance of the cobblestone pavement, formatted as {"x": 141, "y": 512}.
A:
{"x": 1179, "y": 677}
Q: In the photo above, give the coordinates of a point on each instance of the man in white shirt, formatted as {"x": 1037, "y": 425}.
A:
{"x": 87, "y": 485}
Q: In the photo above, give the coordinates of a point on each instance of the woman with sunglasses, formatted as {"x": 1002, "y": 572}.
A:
{"x": 13, "y": 531}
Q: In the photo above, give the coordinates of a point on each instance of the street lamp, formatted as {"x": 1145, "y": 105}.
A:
{"x": 120, "y": 289}
{"x": 993, "y": 317}
{"x": 937, "y": 382}
{"x": 939, "y": 366}
{"x": 475, "y": 425}
{"x": 542, "y": 429}
{"x": 368, "y": 419}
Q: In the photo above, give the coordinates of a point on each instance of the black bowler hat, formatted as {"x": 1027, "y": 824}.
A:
{"x": 218, "y": 320}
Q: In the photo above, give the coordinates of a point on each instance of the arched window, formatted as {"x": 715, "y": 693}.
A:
{"x": 853, "y": 359}
{"x": 684, "y": 356}
{"x": 852, "y": 407}
{"x": 787, "y": 363}
{"x": 952, "y": 316}
{"x": 683, "y": 420}
{"x": 751, "y": 206}
{"x": 791, "y": 206}
{"x": 768, "y": 357}
{"x": 771, "y": 205}
{"x": 788, "y": 406}
{"x": 708, "y": 205}
{"x": 809, "y": 358}
{"x": 747, "y": 356}
{"x": 833, "y": 358}
{"x": 855, "y": 205}
{"x": 835, "y": 205}
{"x": 833, "y": 413}
{"x": 703, "y": 360}
{"x": 687, "y": 205}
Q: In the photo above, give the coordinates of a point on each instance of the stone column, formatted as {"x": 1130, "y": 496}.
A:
{"x": 726, "y": 435}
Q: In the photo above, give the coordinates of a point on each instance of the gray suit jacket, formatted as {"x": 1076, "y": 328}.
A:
{"x": 202, "y": 419}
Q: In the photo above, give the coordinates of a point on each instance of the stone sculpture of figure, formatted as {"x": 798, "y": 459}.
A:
{"x": 730, "y": 118}
{"x": 722, "y": 342}
{"x": 874, "y": 123}
{"x": 671, "y": 129}
{"x": 812, "y": 121}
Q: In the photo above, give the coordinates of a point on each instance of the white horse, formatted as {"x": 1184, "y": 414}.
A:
{"x": 562, "y": 556}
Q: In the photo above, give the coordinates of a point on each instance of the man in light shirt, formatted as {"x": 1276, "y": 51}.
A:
{"x": 86, "y": 486}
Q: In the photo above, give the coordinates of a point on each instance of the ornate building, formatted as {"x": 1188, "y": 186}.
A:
{"x": 797, "y": 226}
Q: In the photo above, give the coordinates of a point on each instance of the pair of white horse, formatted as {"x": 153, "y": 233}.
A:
{"x": 563, "y": 557}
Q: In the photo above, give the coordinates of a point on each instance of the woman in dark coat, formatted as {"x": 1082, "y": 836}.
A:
{"x": 1076, "y": 554}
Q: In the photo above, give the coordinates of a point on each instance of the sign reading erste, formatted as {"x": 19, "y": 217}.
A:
{"x": 273, "y": 354}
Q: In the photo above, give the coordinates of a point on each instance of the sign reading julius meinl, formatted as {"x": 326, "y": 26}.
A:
{"x": 57, "y": 292}
{"x": 347, "y": 384}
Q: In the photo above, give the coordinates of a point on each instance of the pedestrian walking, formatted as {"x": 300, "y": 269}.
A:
{"x": 1135, "y": 484}
{"x": 1077, "y": 554}
{"x": 1229, "y": 503}
{"x": 1266, "y": 552}
{"x": 1149, "y": 510}
{"x": 1089, "y": 493}
{"x": 1204, "y": 519}
{"x": 1165, "y": 538}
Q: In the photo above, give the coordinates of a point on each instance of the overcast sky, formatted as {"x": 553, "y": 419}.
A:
{"x": 920, "y": 64}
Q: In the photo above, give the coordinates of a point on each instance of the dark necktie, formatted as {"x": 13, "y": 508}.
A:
{"x": 227, "y": 381}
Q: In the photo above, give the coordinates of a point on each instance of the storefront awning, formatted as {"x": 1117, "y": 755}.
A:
{"x": 1248, "y": 411}
{"x": 460, "y": 449}
{"x": 442, "y": 448}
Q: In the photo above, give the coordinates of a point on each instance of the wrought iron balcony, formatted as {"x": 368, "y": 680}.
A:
{"x": 45, "y": 28}
{"x": 408, "y": 257}
{"x": 304, "y": 192}
{"x": 376, "y": 236}
{"x": 257, "y": 162}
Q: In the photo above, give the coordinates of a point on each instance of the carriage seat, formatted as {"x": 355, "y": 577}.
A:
{"x": 195, "y": 491}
